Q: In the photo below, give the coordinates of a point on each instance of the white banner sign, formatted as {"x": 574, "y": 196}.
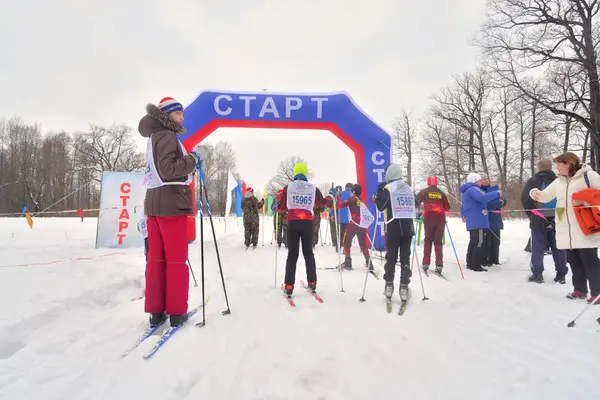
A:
{"x": 120, "y": 193}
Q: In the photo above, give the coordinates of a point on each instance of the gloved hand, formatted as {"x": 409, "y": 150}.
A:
{"x": 196, "y": 157}
{"x": 333, "y": 192}
{"x": 419, "y": 215}
{"x": 374, "y": 198}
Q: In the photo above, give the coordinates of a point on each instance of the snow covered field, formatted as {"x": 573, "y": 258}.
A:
{"x": 65, "y": 321}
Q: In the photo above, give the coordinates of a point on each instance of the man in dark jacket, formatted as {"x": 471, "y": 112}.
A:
{"x": 543, "y": 234}
{"x": 397, "y": 200}
{"x": 492, "y": 244}
{"x": 167, "y": 204}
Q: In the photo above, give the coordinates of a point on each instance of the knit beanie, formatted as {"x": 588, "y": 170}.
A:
{"x": 473, "y": 177}
{"x": 169, "y": 104}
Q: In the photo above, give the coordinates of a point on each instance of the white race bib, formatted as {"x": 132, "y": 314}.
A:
{"x": 152, "y": 179}
{"x": 403, "y": 200}
{"x": 366, "y": 218}
{"x": 301, "y": 196}
{"x": 142, "y": 222}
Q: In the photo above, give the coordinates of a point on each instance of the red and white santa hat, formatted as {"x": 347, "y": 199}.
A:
{"x": 169, "y": 104}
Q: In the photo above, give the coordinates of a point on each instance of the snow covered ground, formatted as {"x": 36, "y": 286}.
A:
{"x": 66, "y": 318}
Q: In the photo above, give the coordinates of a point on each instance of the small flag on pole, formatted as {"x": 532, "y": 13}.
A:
{"x": 29, "y": 220}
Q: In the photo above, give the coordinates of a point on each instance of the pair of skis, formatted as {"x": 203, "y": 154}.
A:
{"x": 389, "y": 306}
{"x": 164, "y": 337}
{"x": 426, "y": 271}
{"x": 291, "y": 300}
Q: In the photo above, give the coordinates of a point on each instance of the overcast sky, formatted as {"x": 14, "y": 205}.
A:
{"x": 66, "y": 63}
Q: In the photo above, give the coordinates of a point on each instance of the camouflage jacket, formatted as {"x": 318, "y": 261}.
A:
{"x": 250, "y": 207}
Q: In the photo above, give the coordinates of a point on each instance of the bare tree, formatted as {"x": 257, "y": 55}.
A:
{"x": 464, "y": 106}
{"x": 402, "y": 142}
{"x": 285, "y": 174}
{"x": 108, "y": 149}
{"x": 522, "y": 36}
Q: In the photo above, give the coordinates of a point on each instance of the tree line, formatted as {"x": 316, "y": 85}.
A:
{"x": 534, "y": 94}
{"x": 61, "y": 171}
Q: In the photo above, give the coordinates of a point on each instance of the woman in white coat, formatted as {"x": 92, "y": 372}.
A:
{"x": 582, "y": 250}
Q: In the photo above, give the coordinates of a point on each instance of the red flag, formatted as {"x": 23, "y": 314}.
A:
{"x": 80, "y": 212}
{"x": 539, "y": 214}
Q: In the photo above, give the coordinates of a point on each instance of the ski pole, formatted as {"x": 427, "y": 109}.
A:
{"x": 212, "y": 226}
{"x": 454, "y": 248}
{"x": 192, "y": 271}
{"x": 338, "y": 235}
{"x": 362, "y": 299}
{"x": 201, "y": 213}
{"x": 419, "y": 267}
{"x": 591, "y": 303}
{"x": 276, "y": 247}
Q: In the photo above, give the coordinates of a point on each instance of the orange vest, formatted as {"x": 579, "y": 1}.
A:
{"x": 588, "y": 218}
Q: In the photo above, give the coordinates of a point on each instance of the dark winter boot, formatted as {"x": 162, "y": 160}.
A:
{"x": 347, "y": 264}
{"x": 389, "y": 290}
{"x": 368, "y": 263}
{"x": 177, "y": 320}
{"x": 157, "y": 319}
{"x": 288, "y": 289}
{"x": 537, "y": 278}
{"x": 312, "y": 286}
{"x": 560, "y": 279}
{"x": 404, "y": 292}
{"x": 425, "y": 267}
{"x": 439, "y": 268}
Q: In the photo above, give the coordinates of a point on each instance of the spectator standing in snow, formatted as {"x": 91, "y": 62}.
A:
{"x": 492, "y": 245}
{"x": 474, "y": 210}
{"x": 167, "y": 205}
{"x": 582, "y": 250}
{"x": 543, "y": 232}
{"x": 435, "y": 204}
{"x": 250, "y": 206}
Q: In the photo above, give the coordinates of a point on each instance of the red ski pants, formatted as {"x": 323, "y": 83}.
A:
{"x": 361, "y": 233}
{"x": 434, "y": 232}
{"x": 167, "y": 275}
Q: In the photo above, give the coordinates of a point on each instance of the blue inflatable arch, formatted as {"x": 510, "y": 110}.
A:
{"x": 335, "y": 112}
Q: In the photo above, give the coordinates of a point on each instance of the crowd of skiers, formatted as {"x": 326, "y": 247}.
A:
{"x": 560, "y": 219}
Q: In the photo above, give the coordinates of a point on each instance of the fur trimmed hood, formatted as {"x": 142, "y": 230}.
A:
{"x": 156, "y": 120}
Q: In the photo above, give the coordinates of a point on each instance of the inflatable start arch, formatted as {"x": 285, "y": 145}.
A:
{"x": 334, "y": 112}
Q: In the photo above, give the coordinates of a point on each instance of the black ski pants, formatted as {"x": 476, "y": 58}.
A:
{"x": 585, "y": 268}
{"x": 396, "y": 242}
{"x": 300, "y": 230}
{"x": 476, "y": 249}
{"x": 492, "y": 247}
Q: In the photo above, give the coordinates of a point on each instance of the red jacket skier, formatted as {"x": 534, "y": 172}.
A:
{"x": 435, "y": 204}
{"x": 299, "y": 199}
{"x": 354, "y": 228}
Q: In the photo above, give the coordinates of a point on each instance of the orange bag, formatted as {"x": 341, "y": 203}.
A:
{"x": 588, "y": 218}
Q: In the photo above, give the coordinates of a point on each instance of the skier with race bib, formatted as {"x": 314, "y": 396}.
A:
{"x": 167, "y": 205}
{"x": 396, "y": 199}
{"x": 299, "y": 199}
{"x": 355, "y": 228}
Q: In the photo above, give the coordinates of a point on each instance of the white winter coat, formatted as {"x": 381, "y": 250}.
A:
{"x": 568, "y": 233}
